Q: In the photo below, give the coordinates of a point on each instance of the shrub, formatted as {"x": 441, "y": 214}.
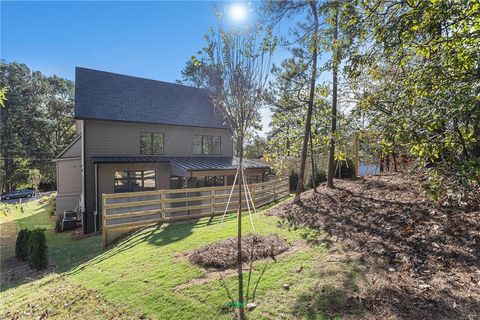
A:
{"x": 21, "y": 244}
{"x": 320, "y": 177}
{"x": 293, "y": 180}
{"x": 37, "y": 249}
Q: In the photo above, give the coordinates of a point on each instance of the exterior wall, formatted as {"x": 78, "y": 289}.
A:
{"x": 69, "y": 184}
{"x": 66, "y": 203}
{"x": 106, "y": 174}
{"x": 75, "y": 150}
{"x": 111, "y": 138}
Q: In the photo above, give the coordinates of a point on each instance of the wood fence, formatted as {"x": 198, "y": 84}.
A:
{"x": 124, "y": 212}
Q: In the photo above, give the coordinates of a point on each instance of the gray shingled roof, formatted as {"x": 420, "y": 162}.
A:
{"x": 110, "y": 96}
{"x": 186, "y": 163}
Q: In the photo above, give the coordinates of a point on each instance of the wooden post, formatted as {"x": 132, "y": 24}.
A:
{"x": 162, "y": 203}
{"x": 104, "y": 220}
{"x": 213, "y": 201}
{"x": 355, "y": 153}
{"x": 253, "y": 194}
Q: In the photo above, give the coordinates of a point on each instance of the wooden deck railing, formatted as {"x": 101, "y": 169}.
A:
{"x": 124, "y": 212}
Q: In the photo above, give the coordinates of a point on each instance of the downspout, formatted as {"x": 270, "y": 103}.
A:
{"x": 82, "y": 130}
{"x": 83, "y": 206}
{"x": 95, "y": 213}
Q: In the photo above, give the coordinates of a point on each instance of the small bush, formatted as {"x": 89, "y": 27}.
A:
{"x": 37, "y": 249}
{"x": 52, "y": 200}
{"x": 293, "y": 180}
{"x": 320, "y": 177}
{"x": 21, "y": 244}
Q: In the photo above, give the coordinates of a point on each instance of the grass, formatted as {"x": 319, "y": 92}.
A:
{"x": 147, "y": 275}
{"x": 63, "y": 251}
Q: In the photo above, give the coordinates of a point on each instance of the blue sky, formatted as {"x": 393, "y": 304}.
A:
{"x": 145, "y": 39}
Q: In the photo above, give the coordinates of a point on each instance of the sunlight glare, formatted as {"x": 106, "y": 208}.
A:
{"x": 238, "y": 12}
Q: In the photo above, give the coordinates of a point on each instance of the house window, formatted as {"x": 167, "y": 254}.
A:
{"x": 206, "y": 145}
{"x": 151, "y": 143}
{"x": 132, "y": 181}
{"x": 177, "y": 182}
{"x": 210, "y": 181}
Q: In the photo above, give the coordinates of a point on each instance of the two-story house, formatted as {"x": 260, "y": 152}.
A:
{"x": 136, "y": 134}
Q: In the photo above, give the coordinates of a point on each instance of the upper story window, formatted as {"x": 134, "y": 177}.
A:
{"x": 206, "y": 145}
{"x": 151, "y": 143}
{"x": 132, "y": 181}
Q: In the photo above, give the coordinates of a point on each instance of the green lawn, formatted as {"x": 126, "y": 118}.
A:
{"x": 147, "y": 275}
{"x": 63, "y": 250}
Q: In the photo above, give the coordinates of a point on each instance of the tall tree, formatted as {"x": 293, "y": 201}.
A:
{"x": 36, "y": 123}
{"x": 335, "y": 63}
{"x": 421, "y": 70}
{"x": 236, "y": 65}
{"x": 306, "y": 34}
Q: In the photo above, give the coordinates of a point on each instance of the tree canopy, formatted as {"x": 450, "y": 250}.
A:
{"x": 36, "y": 124}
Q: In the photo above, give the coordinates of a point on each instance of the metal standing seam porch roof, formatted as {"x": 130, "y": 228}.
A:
{"x": 186, "y": 163}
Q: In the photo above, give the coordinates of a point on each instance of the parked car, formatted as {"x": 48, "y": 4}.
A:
{"x": 22, "y": 193}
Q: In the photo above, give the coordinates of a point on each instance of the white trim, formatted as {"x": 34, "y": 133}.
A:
{"x": 63, "y": 159}
{"x": 68, "y": 147}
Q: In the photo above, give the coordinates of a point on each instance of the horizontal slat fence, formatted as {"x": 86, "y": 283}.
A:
{"x": 124, "y": 212}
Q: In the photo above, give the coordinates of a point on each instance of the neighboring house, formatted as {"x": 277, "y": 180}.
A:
{"x": 136, "y": 134}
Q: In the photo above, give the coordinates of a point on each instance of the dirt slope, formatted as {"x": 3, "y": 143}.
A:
{"x": 423, "y": 260}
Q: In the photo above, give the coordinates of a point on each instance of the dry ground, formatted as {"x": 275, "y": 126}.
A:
{"x": 223, "y": 254}
{"x": 423, "y": 260}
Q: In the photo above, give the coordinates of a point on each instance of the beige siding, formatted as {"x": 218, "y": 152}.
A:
{"x": 110, "y": 138}
{"x": 75, "y": 150}
{"x": 69, "y": 173}
{"x": 69, "y": 184}
{"x": 67, "y": 202}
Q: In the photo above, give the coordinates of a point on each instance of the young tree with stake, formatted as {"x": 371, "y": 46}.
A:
{"x": 241, "y": 59}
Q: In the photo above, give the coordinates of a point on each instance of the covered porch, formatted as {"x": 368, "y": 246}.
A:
{"x": 126, "y": 174}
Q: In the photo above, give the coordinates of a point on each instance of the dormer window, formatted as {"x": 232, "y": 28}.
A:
{"x": 151, "y": 143}
{"x": 206, "y": 145}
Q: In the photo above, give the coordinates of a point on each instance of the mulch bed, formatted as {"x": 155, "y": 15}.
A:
{"x": 223, "y": 254}
{"x": 423, "y": 259}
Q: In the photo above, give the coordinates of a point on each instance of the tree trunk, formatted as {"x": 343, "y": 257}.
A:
{"x": 241, "y": 310}
{"x": 476, "y": 121}
{"x": 394, "y": 156}
{"x": 331, "y": 158}
{"x": 313, "y": 7}
{"x": 313, "y": 177}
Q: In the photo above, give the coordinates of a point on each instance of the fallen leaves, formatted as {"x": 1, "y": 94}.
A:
{"x": 223, "y": 254}
{"x": 411, "y": 246}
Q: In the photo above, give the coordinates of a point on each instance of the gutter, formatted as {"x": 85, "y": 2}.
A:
{"x": 95, "y": 212}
